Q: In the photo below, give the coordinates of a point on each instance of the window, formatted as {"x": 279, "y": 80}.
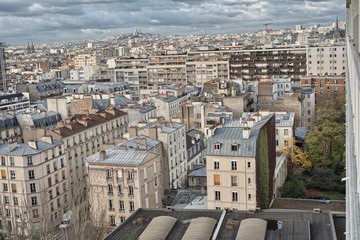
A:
{"x": 3, "y": 174}
{"x": 217, "y": 179}
{"x": 32, "y": 187}
{"x": 16, "y": 201}
{"x": 216, "y": 165}
{"x": 48, "y": 169}
{"x": 55, "y": 166}
{"x": 216, "y": 146}
{"x": 13, "y": 187}
{"x": 6, "y": 200}
{"x": 34, "y": 201}
{"x": 233, "y": 181}
{"x": 234, "y": 147}
{"x": 130, "y": 175}
{"x": 131, "y": 190}
{"x": 49, "y": 182}
{"x": 277, "y": 142}
{"x": 3, "y": 161}
{"x": 110, "y": 189}
{"x": 29, "y": 161}
{"x": 12, "y": 174}
{"x": 234, "y": 196}
{"x": 145, "y": 173}
{"x": 122, "y": 219}
{"x": 286, "y": 143}
{"x": 249, "y": 196}
{"x": 31, "y": 174}
{"x": 5, "y": 187}
{"x": 233, "y": 165}
{"x": 50, "y": 195}
{"x": 119, "y": 189}
{"x": 286, "y": 132}
{"x": 277, "y": 131}
{"x": 112, "y": 220}
{"x": 122, "y": 206}
{"x": 35, "y": 213}
{"x": 108, "y": 173}
{"x": 111, "y": 206}
{"x": 132, "y": 206}
{"x": 217, "y": 195}
{"x": 249, "y": 164}
{"x": 12, "y": 161}
{"x": 155, "y": 181}
{"x": 249, "y": 180}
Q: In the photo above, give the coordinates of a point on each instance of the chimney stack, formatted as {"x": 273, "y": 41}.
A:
{"x": 246, "y": 132}
{"x": 102, "y": 155}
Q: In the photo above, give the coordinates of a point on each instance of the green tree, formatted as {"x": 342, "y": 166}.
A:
{"x": 326, "y": 138}
{"x": 295, "y": 188}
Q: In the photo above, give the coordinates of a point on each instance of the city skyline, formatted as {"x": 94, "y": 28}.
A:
{"x": 73, "y": 20}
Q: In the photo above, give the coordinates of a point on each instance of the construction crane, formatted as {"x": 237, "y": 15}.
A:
{"x": 266, "y": 26}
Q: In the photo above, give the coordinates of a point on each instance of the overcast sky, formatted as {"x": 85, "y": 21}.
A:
{"x": 45, "y": 21}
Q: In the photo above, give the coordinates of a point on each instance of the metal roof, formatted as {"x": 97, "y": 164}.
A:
{"x": 116, "y": 155}
{"x": 158, "y": 228}
{"x": 25, "y": 149}
{"x": 132, "y": 143}
{"x": 201, "y": 172}
{"x": 252, "y": 229}
{"x": 200, "y": 229}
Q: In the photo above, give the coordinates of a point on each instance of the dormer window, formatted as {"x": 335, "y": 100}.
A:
{"x": 216, "y": 146}
{"x": 234, "y": 147}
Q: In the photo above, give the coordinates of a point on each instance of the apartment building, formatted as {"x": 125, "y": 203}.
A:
{"x": 34, "y": 185}
{"x": 240, "y": 162}
{"x": 167, "y": 69}
{"x": 85, "y": 134}
{"x": 14, "y": 101}
{"x": 198, "y": 72}
{"x": 284, "y": 129}
{"x": 168, "y": 107}
{"x": 125, "y": 178}
{"x": 307, "y": 106}
{"x": 132, "y": 71}
{"x": 330, "y": 60}
{"x": 195, "y": 149}
{"x": 10, "y": 130}
{"x": 268, "y": 63}
{"x": 83, "y": 60}
{"x": 173, "y": 137}
{"x": 326, "y": 87}
{"x": 41, "y": 90}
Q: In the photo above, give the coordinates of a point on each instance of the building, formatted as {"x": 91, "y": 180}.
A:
{"x": 326, "y": 87}
{"x": 173, "y": 137}
{"x": 240, "y": 162}
{"x": 83, "y": 60}
{"x": 10, "y": 130}
{"x": 307, "y": 107}
{"x": 352, "y": 121}
{"x": 168, "y": 107}
{"x": 216, "y": 224}
{"x": 125, "y": 178}
{"x": 41, "y": 90}
{"x": 269, "y": 63}
{"x": 284, "y": 129}
{"x": 280, "y": 173}
{"x": 34, "y": 185}
{"x": 330, "y": 60}
{"x": 14, "y": 101}
{"x": 85, "y": 134}
{"x": 195, "y": 148}
{"x": 280, "y": 87}
{"x": 198, "y": 72}
{"x": 2, "y": 68}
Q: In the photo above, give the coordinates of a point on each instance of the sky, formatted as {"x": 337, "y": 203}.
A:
{"x": 47, "y": 21}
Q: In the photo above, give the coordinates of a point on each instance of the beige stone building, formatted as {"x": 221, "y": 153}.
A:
{"x": 83, "y": 60}
{"x": 125, "y": 178}
{"x": 240, "y": 164}
{"x": 85, "y": 134}
{"x": 34, "y": 185}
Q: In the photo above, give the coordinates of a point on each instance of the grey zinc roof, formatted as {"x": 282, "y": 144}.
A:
{"x": 121, "y": 100}
{"x": 201, "y": 172}
{"x": 119, "y": 156}
{"x": 228, "y": 136}
{"x": 169, "y": 99}
{"x": 131, "y": 143}
{"x": 24, "y": 149}
{"x": 284, "y": 120}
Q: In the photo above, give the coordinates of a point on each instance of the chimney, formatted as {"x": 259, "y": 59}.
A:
{"x": 250, "y": 122}
{"x": 133, "y": 131}
{"x": 246, "y": 132}
{"x": 141, "y": 140}
{"x": 257, "y": 117}
{"x": 47, "y": 139}
{"x": 33, "y": 144}
{"x": 102, "y": 155}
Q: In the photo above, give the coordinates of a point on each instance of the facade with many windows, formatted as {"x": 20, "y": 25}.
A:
{"x": 33, "y": 185}
{"x": 125, "y": 178}
{"x": 240, "y": 164}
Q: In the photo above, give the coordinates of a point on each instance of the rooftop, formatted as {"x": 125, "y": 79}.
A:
{"x": 281, "y": 224}
{"x": 15, "y": 149}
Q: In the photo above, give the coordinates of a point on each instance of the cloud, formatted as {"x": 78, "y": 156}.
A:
{"x": 67, "y": 20}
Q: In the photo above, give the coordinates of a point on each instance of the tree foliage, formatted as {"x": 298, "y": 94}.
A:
{"x": 326, "y": 138}
{"x": 294, "y": 188}
{"x": 296, "y": 154}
